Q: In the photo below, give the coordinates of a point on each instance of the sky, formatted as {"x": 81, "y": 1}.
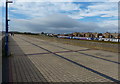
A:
{"x": 62, "y": 16}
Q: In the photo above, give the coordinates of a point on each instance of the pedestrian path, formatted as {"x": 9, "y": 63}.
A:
{"x": 0, "y": 59}
{"x": 36, "y": 60}
{"x": 19, "y": 67}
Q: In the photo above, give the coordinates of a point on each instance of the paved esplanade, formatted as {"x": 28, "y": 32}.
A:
{"x": 0, "y": 58}
{"x": 36, "y": 60}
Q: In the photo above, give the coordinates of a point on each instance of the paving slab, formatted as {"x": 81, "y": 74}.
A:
{"x": 107, "y": 67}
{"x": 103, "y": 54}
{"x": 36, "y": 60}
{"x": 0, "y": 58}
{"x": 102, "y": 66}
{"x": 20, "y": 67}
{"x": 59, "y": 70}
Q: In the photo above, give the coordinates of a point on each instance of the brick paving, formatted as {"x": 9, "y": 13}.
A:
{"x": 21, "y": 69}
{"x": 59, "y": 70}
{"x": 36, "y": 60}
{"x": 94, "y": 63}
{"x": 0, "y": 58}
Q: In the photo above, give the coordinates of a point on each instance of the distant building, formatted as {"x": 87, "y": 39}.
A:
{"x": 115, "y": 35}
{"x": 88, "y": 34}
{"x": 119, "y": 36}
{"x": 77, "y": 34}
{"x": 107, "y": 35}
{"x": 93, "y": 35}
{"x": 100, "y": 35}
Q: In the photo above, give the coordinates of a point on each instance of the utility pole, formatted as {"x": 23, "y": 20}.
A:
{"x": 6, "y": 33}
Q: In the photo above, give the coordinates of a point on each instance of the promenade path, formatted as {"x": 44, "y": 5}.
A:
{"x": 0, "y": 58}
{"x": 37, "y": 60}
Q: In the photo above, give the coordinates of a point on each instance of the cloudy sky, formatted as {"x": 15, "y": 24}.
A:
{"x": 62, "y": 16}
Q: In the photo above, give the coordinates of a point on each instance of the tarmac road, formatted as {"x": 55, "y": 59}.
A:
{"x": 59, "y": 62}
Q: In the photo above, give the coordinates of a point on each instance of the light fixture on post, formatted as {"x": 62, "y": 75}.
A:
{"x": 6, "y": 33}
{"x": 8, "y": 19}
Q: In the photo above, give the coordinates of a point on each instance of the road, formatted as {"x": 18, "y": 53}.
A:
{"x": 59, "y": 62}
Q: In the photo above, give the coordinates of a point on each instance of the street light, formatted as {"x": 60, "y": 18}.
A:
{"x": 6, "y": 35}
{"x": 9, "y": 1}
{"x": 8, "y": 19}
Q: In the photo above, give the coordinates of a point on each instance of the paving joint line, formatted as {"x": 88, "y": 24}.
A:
{"x": 88, "y": 54}
{"x": 56, "y": 52}
{"x": 85, "y": 54}
{"x": 92, "y": 70}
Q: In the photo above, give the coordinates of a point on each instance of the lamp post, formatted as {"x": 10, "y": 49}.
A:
{"x": 6, "y": 33}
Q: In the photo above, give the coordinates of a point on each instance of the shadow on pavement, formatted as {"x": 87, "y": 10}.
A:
{"x": 18, "y": 67}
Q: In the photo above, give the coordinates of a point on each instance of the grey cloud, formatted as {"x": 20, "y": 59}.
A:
{"x": 55, "y": 24}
